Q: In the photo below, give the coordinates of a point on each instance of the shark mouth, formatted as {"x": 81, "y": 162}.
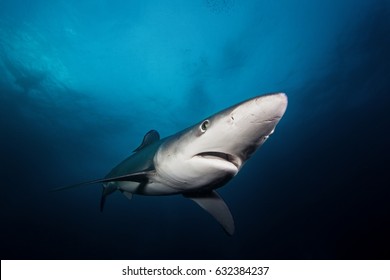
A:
{"x": 221, "y": 156}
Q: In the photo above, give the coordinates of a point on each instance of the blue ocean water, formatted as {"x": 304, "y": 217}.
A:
{"x": 81, "y": 82}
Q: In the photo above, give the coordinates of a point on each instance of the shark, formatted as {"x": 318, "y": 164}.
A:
{"x": 198, "y": 160}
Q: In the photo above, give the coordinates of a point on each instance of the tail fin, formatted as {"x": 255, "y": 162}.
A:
{"x": 109, "y": 188}
{"x": 134, "y": 177}
{"x": 76, "y": 185}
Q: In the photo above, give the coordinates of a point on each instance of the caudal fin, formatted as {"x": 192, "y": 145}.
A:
{"x": 75, "y": 185}
{"x": 134, "y": 177}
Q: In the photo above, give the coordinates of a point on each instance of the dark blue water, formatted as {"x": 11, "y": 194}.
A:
{"x": 82, "y": 81}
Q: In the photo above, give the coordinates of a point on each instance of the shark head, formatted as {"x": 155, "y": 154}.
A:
{"x": 211, "y": 152}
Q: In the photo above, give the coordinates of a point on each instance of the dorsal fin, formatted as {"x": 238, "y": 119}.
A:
{"x": 149, "y": 138}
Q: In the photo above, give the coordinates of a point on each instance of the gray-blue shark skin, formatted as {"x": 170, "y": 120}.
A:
{"x": 200, "y": 159}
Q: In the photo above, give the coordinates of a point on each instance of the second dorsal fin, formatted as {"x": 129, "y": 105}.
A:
{"x": 149, "y": 138}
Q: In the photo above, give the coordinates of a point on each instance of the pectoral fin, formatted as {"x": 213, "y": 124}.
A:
{"x": 216, "y": 207}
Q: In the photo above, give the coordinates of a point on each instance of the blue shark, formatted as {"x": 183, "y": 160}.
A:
{"x": 196, "y": 161}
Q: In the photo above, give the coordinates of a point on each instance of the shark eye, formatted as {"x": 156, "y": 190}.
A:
{"x": 204, "y": 125}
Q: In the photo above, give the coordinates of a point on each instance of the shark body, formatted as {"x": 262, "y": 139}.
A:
{"x": 200, "y": 159}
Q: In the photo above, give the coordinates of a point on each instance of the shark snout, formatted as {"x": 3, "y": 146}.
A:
{"x": 263, "y": 109}
{"x": 271, "y": 106}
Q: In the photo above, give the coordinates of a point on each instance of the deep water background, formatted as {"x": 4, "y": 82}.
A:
{"x": 82, "y": 81}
